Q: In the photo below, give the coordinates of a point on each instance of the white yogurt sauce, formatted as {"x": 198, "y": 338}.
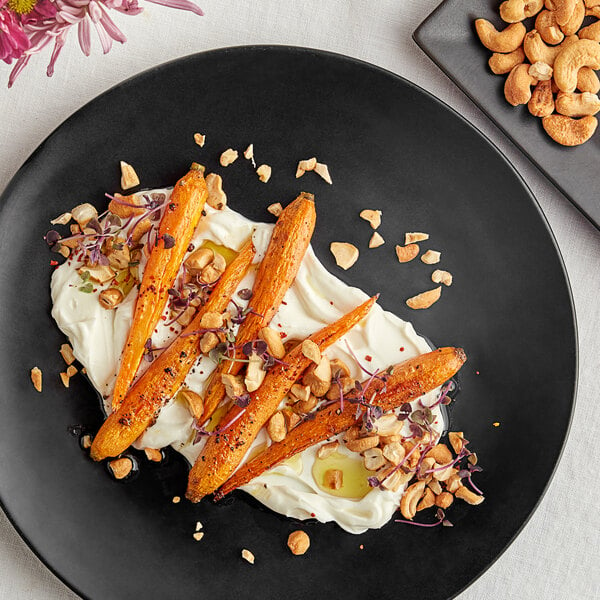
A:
{"x": 315, "y": 299}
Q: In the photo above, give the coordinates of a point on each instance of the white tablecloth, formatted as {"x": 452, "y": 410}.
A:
{"x": 556, "y": 555}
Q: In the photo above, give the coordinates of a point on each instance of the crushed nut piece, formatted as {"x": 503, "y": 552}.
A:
{"x": 255, "y": 374}
{"x": 347, "y": 384}
{"x": 198, "y": 535}
{"x": 276, "y": 427}
{"x": 345, "y": 254}
{"x": 441, "y": 454}
{"x": 362, "y": 444}
{"x": 84, "y": 213}
{"x": 327, "y": 449}
{"x": 64, "y": 251}
{"x": 217, "y": 198}
{"x": 249, "y": 152}
{"x": 333, "y": 479}
{"x": 65, "y": 379}
{"x": 228, "y": 157}
{"x": 248, "y": 556}
{"x": 100, "y": 273}
{"x": 300, "y": 393}
{"x": 291, "y": 418}
{"x": 305, "y": 406}
{"x": 62, "y": 219}
{"x": 198, "y": 526}
{"x": 394, "y": 452}
{"x": 415, "y": 236}
{"x": 410, "y": 499}
{"x": 305, "y": 165}
{"x": 71, "y": 370}
{"x": 311, "y": 351}
{"x": 318, "y": 377}
{"x": 110, "y": 298}
{"x": 388, "y": 425}
{"x": 199, "y": 139}
{"x": 339, "y": 368}
{"x": 36, "y": 378}
{"x": 120, "y": 467}
{"x": 298, "y": 542}
{"x": 431, "y": 257}
{"x": 372, "y": 216}
{"x": 453, "y": 483}
{"x": 275, "y": 209}
{"x": 153, "y": 454}
{"x": 468, "y": 496}
{"x": 444, "y": 500}
{"x": 194, "y": 402}
{"x": 176, "y": 500}
{"x": 208, "y": 342}
{"x": 67, "y": 353}
{"x": 86, "y": 442}
{"x": 376, "y": 240}
{"x": 439, "y": 276}
{"x": 264, "y": 173}
{"x": 457, "y": 441}
{"x": 234, "y": 384}
{"x": 323, "y": 172}
{"x": 407, "y": 253}
{"x": 435, "y": 487}
{"x": 273, "y": 340}
{"x": 427, "y": 501}
{"x": 425, "y": 299}
{"x": 373, "y": 459}
{"x": 129, "y": 177}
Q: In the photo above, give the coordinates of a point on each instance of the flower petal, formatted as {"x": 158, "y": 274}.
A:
{"x": 59, "y": 42}
{"x": 19, "y": 66}
{"x": 180, "y": 5}
{"x": 110, "y": 27}
{"x": 83, "y": 33}
{"x": 105, "y": 39}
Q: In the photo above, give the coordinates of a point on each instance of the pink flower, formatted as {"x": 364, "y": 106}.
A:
{"x": 51, "y": 21}
{"x": 13, "y": 40}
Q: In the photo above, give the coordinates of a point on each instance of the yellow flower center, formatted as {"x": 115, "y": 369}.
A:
{"x": 22, "y": 7}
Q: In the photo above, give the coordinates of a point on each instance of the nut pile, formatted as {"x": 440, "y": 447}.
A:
{"x": 551, "y": 68}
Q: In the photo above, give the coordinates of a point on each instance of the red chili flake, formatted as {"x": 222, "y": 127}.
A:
{"x": 95, "y": 289}
{"x": 313, "y": 515}
{"x": 284, "y": 302}
{"x": 401, "y": 348}
{"x": 171, "y": 328}
{"x": 476, "y": 372}
{"x": 163, "y": 318}
{"x": 361, "y": 547}
{"x": 331, "y": 302}
{"x": 278, "y": 324}
{"x": 368, "y": 358}
{"x": 53, "y": 262}
{"x": 282, "y": 334}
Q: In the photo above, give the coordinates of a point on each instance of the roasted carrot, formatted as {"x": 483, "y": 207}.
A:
{"x": 167, "y": 373}
{"x": 224, "y": 451}
{"x": 278, "y": 269}
{"x": 176, "y": 229}
{"x": 409, "y": 380}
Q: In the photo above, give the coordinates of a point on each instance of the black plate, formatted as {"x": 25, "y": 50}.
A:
{"x": 448, "y": 37}
{"x": 390, "y": 146}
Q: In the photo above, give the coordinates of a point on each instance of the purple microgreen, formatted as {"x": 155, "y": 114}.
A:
{"x": 52, "y": 237}
{"x": 463, "y": 473}
{"x": 374, "y": 482}
{"x": 168, "y": 241}
{"x": 269, "y": 361}
{"x": 245, "y": 294}
{"x": 415, "y": 430}
{"x": 474, "y": 468}
{"x": 358, "y": 386}
{"x": 95, "y": 225}
{"x": 404, "y": 411}
{"x": 113, "y": 221}
{"x": 447, "y": 523}
{"x": 475, "y": 488}
{"x": 440, "y": 520}
{"x": 242, "y": 401}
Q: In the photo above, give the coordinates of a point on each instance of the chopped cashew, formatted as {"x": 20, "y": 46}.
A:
{"x": 298, "y": 542}
{"x": 275, "y": 209}
{"x": 372, "y": 216}
{"x": 248, "y": 556}
{"x": 305, "y": 165}
{"x": 425, "y": 299}
{"x": 431, "y": 257}
{"x": 264, "y": 173}
{"x": 415, "y": 236}
{"x": 255, "y": 373}
{"x": 61, "y": 219}
{"x": 249, "y": 152}
{"x": 311, "y": 351}
{"x": 407, "y": 253}
{"x": 228, "y": 157}
{"x": 323, "y": 172}
{"x": 67, "y": 353}
{"x": 120, "y": 467}
{"x": 217, "y": 198}
{"x": 376, "y": 240}
{"x": 153, "y": 454}
{"x": 276, "y": 427}
{"x": 345, "y": 254}
{"x": 199, "y": 139}
{"x": 129, "y": 178}
{"x": 439, "y": 276}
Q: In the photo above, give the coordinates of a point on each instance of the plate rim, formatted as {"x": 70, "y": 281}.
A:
{"x": 6, "y": 192}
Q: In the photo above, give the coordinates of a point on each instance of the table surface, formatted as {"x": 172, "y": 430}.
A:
{"x": 555, "y": 556}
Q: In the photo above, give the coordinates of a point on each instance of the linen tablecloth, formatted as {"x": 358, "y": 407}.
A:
{"x": 556, "y": 555}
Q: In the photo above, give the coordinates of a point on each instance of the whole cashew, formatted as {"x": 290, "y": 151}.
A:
{"x": 591, "y": 3}
{"x": 583, "y": 53}
{"x": 548, "y": 28}
{"x": 507, "y": 40}
{"x": 577, "y": 105}
{"x": 568, "y": 131}
{"x": 504, "y": 63}
{"x": 563, "y": 9}
{"x": 513, "y": 11}
{"x": 542, "y": 100}
{"x": 574, "y": 23}
{"x": 593, "y": 12}
{"x": 517, "y": 87}
{"x": 537, "y": 51}
{"x": 587, "y": 80}
{"x": 591, "y": 32}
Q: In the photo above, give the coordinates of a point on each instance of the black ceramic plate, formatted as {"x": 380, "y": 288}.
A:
{"x": 390, "y": 146}
{"x": 448, "y": 37}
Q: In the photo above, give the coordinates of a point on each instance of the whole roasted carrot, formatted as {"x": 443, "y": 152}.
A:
{"x": 290, "y": 239}
{"x": 409, "y": 380}
{"x": 224, "y": 451}
{"x": 167, "y": 373}
{"x": 176, "y": 229}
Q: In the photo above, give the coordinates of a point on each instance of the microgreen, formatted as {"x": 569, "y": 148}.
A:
{"x": 440, "y": 516}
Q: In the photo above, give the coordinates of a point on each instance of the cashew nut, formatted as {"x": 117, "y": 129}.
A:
{"x": 563, "y": 9}
{"x": 504, "y": 63}
{"x": 513, "y": 11}
{"x": 591, "y": 3}
{"x": 568, "y": 131}
{"x": 548, "y": 28}
{"x": 577, "y": 105}
{"x": 216, "y": 196}
{"x": 410, "y": 499}
{"x": 593, "y": 12}
{"x": 583, "y": 53}
{"x": 587, "y": 80}
{"x": 542, "y": 100}
{"x": 517, "y": 87}
{"x": 574, "y": 23}
{"x": 537, "y": 51}
{"x": 591, "y": 32}
{"x": 541, "y": 71}
{"x": 507, "y": 40}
